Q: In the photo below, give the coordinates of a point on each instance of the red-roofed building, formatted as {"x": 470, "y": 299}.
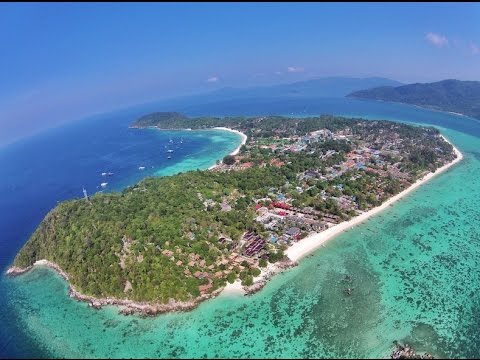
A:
{"x": 281, "y": 205}
{"x": 275, "y": 162}
{"x": 350, "y": 163}
{"x": 205, "y": 288}
{"x": 200, "y": 275}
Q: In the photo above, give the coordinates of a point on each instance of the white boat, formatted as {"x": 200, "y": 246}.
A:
{"x": 141, "y": 168}
{"x": 110, "y": 174}
{"x": 169, "y": 157}
{"x": 104, "y": 174}
{"x": 170, "y": 151}
{"x": 103, "y": 184}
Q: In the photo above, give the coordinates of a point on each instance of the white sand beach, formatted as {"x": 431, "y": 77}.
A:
{"x": 234, "y": 152}
{"x": 313, "y": 242}
{"x": 244, "y": 138}
{"x": 309, "y": 244}
{"x": 235, "y": 289}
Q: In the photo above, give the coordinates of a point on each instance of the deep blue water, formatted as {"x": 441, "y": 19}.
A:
{"x": 56, "y": 165}
{"x": 39, "y": 171}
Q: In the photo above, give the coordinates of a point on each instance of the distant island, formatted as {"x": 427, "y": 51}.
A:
{"x": 168, "y": 243}
{"x": 461, "y": 97}
{"x": 326, "y": 87}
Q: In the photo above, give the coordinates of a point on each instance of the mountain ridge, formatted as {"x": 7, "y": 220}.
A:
{"x": 451, "y": 95}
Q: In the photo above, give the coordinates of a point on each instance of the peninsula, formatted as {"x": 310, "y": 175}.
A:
{"x": 168, "y": 243}
{"x": 454, "y": 96}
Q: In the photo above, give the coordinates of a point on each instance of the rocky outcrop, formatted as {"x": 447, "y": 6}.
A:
{"x": 15, "y": 271}
{"x": 407, "y": 352}
{"x": 128, "y": 307}
{"x": 279, "y": 267}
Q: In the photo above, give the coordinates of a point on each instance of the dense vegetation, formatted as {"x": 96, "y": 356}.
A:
{"x": 117, "y": 239}
{"x": 448, "y": 95}
{"x": 159, "y": 117}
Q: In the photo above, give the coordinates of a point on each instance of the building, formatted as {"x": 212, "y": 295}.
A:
{"x": 200, "y": 275}
{"x": 205, "y": 288}
{"x": 293, "y": 231}
{"x": 167, "y": 253}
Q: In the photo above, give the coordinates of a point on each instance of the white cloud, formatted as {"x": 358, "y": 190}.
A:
{"x": 474, "y": 48}
{"x": 213, "y": 79}
{"x": 294, "y": 69}
{"x": 436, "y": 39}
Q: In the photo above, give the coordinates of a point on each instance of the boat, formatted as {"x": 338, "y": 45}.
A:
{"x": 170, "y": 151}
{"x": 169, "y": 157}
{"x": 141, "y": 168}
{"x": 181, "y": 141}
{"x": 110, "y": 174}
{"x": 171, "y": 141}
{"x": 104, "y": 174}
{"x": 103, "y": 184}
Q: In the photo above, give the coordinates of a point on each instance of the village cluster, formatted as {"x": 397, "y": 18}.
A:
{"x": 285, "y": 223}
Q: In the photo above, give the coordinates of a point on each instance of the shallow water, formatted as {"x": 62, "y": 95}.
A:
{"x": 40, "y": 171}
{"x": 415, "y": 277}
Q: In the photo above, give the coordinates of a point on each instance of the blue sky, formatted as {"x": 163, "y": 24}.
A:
{"x": 61, "y": 62}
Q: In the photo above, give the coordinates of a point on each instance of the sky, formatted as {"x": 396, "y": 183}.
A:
{"x": 62, "y": 62}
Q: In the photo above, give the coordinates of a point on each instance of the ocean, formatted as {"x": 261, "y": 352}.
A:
{"x": 414, "y": 267}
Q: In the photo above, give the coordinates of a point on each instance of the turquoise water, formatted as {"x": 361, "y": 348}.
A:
{"x": 40, "y": 171}
{"x": 415, "y": 277}
{"x": 221, "y": 143}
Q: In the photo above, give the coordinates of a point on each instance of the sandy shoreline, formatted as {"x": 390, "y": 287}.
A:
{"x": 125, "y": 306}
{"x": 244, "y": 138}
{"x": 293, "y": 254}
{"x": 311, "y": 243}
{"x": 236, "y": 151}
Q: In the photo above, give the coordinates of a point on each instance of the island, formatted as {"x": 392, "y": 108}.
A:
{"x": 167, "y": 243}
{"x": 454, "y": 96}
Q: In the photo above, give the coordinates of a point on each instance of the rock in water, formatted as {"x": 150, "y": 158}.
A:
{"x": 407, "y": 352}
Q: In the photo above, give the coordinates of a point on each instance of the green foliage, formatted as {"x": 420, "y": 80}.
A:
{"x": 275, "y": 256}
{"x": 229, "y": 160}
{"x": 123, "y": 236}
{"x": 255, "y": 272}
{"x": 449, "y": 95}
{"x": 231, "y": 277}
{"x": 155, "y": 118}
{"x": 247, "y": 280}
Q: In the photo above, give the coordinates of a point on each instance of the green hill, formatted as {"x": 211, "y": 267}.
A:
{"x": 447, "y": 95}
{"x": 155, "y": 118}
